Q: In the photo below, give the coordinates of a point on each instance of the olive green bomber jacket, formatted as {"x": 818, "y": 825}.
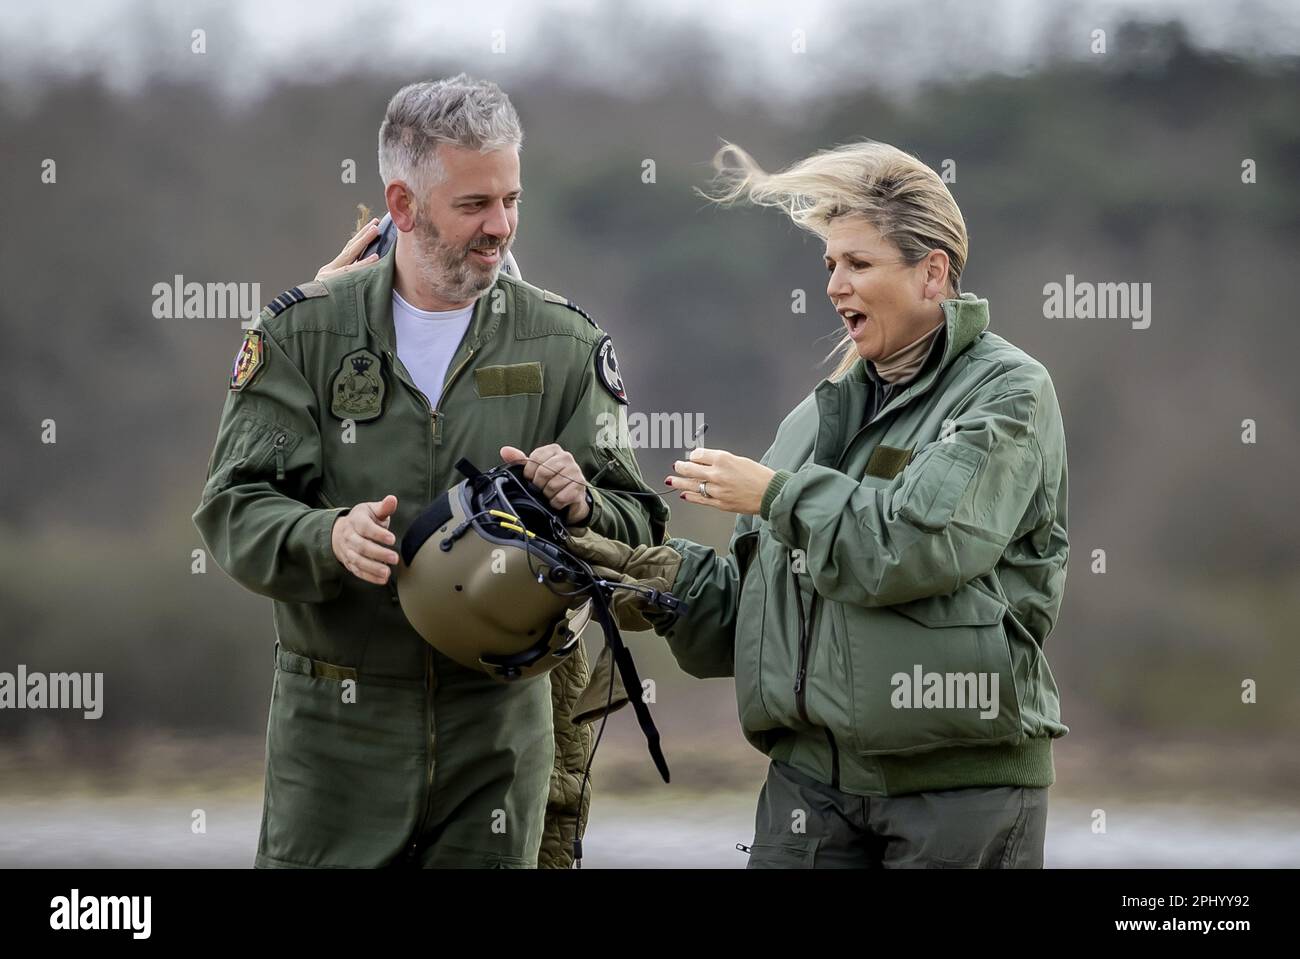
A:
{"x": 885, "y": 615}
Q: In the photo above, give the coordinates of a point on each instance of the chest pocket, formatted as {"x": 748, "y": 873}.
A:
{"x": 513, "y": 380}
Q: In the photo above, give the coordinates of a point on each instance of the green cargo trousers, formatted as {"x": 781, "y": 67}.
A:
{"x": 452, "y": 770}
{"x": 804, "y": 824}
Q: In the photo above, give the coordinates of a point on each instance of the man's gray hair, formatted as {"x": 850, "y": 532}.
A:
{"x": 475, "y": 114}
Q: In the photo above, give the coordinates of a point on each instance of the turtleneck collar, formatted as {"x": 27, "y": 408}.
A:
{"x": 902, "y": 366}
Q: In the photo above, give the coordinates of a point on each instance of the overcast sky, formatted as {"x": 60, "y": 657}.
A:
{"x": 255, "y": 43}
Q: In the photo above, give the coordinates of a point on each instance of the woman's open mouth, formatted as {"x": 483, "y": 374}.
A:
{"x": 855, "y": 321}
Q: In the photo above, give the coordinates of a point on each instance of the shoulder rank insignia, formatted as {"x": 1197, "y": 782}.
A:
{"x": 563, "y": 301}
{"x": 357, "y": 392}
{"x": 250, "y": 358}
{"x": 299, "y": 293}
{"x": 607, "y": 370}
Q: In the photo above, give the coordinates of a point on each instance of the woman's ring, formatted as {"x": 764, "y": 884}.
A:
{"x": 704, "y": 489}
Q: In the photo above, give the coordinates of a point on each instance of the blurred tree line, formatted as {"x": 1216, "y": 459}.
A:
{"x": 1127, "y": 171}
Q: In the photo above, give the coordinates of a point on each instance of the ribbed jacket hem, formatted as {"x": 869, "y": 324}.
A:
{"x": 1028, "y": 764}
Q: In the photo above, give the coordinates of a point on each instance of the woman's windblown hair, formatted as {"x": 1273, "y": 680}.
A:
{"x": 894, "y": 191}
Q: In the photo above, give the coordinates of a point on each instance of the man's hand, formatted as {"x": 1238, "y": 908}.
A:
{"x": 347, "y": 258}
{"x": 359, "y": 537}
{"x": 554, "y": 471}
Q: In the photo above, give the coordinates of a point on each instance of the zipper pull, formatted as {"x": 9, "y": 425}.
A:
{"x": 280, "y": 440}
{"x": 436, "y": 416}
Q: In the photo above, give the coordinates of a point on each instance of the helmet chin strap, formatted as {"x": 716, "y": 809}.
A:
{"x": 631, "y": 681}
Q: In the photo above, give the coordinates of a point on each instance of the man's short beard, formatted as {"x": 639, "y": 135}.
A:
{"x": 447, "y": 270}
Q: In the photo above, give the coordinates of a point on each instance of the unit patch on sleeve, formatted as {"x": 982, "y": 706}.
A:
{"x": 607, "y": 370}
{"x": 250, "y": 358}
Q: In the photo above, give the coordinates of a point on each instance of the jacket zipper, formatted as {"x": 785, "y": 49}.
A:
{"x": 435, "y": 429}
{"x": 428, "y": 476}
{"x": 805, "y": 641}
{"x": 801, "y": 677}
{"x": 428, "y": 699}
{"x": 428, "y": 650}
{"x": 805, "y": 636}
{"x": 436, "y": 412}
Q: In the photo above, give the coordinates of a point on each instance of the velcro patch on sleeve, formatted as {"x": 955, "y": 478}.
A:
{"x": 511, "y": 380}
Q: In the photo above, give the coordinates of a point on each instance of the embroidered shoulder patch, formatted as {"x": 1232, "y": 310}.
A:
{"x": 250, "y": 358}
{"x": 607, "y": 370}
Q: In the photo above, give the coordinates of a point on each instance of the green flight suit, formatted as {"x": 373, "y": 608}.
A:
{"x": 380, "y": 750}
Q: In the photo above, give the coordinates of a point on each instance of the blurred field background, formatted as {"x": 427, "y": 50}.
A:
{"x": 225, "y": 168}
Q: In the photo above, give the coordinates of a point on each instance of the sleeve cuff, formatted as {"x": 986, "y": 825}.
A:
{"x": 325, "y": 546}
{"x": 773, "y": 490}
{"x": 593, "y": 513}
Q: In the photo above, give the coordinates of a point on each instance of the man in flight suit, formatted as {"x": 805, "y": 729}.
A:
{"x": 350, "y": 401}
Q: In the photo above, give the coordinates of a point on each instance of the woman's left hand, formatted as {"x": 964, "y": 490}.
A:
{"x": 733, "y": 483}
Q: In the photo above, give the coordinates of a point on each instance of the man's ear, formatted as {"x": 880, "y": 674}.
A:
{"x": 401, "y": 205}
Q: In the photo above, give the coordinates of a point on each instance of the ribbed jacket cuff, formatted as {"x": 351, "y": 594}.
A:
{"x": 773, "y": 491}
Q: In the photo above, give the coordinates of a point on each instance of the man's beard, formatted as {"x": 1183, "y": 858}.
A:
{"x": 449, "y": 271}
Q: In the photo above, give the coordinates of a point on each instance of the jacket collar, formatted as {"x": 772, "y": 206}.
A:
{"x": 374, "y": 297}
{"x": 842, "y": 403}
{"x": 965, "y": 318}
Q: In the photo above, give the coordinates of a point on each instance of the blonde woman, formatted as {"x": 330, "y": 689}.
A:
{"x": 899, "y": 553}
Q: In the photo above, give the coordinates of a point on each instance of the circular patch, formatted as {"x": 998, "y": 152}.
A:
{"x": 607, "y": 370}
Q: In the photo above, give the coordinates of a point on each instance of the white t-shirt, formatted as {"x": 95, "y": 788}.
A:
{"x": 426, "y": 342}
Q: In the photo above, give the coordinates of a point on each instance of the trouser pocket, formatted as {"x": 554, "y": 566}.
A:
{"x": 345, "y": 771}
{"x": 984, "y": 827}
{"x": 801, "y": 823}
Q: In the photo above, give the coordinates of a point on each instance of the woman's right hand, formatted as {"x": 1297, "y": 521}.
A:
{"x": 347, "y": 258}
